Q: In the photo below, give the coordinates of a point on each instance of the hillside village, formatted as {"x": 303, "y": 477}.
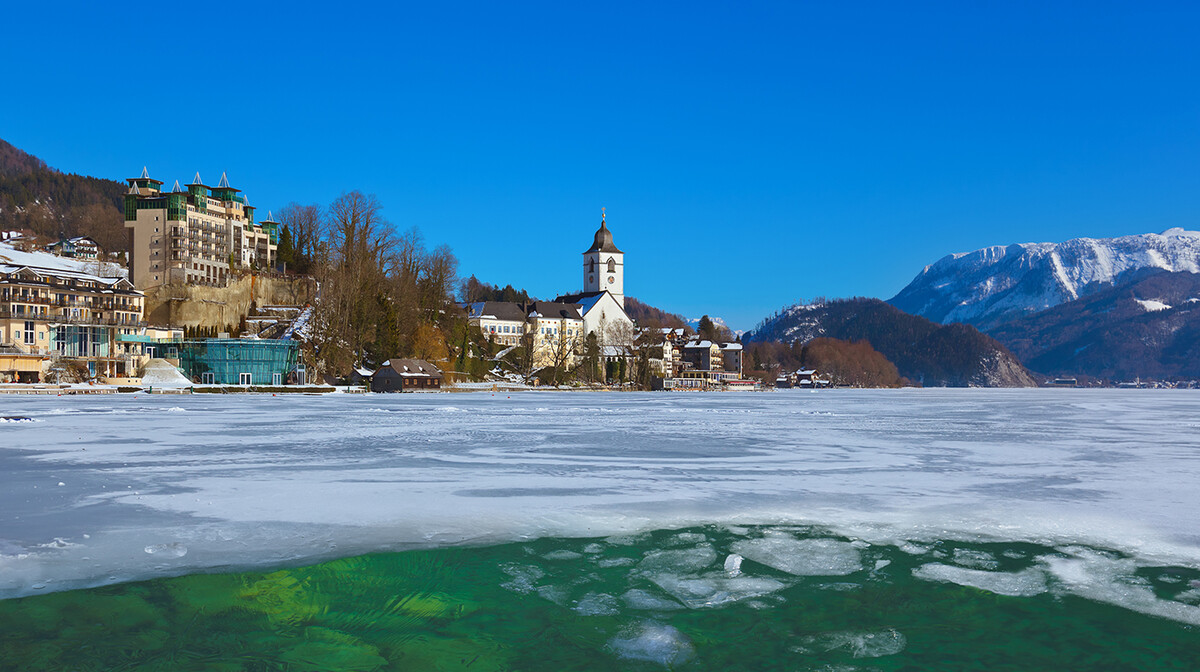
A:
{"x": 206, "y": 299}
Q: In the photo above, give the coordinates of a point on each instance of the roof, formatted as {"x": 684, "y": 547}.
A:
{"x": 554, "y": 310}
{"x": 585, "y": 300}
{"x": 699, "y": 344}
{"x": 603, "y": 241}
{"x": 496, "y": 310}
{"x": 42, "y": 263}
{"x": 731, "y": 346}
{"x": 411, "y": 367}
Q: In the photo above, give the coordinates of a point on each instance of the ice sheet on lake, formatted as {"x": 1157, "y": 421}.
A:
{"x": 252, "y": 481}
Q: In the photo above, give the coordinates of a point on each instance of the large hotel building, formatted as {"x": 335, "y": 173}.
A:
{"x": 195, "y": 237}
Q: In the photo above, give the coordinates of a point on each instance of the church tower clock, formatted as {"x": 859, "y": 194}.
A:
{"x": 604, "y": 265}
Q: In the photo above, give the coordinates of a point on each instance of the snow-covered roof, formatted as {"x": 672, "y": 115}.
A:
{"x": 42, "y": 263}
{"x": 731, "y": 346}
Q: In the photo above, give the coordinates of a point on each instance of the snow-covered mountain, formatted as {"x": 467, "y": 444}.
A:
{"x": 991, "y": 286}
{"x": 694, "y": 323}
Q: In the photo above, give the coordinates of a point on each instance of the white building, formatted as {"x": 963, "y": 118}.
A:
{"x": 604, "y": 265}
{"x": 602, "y": 302}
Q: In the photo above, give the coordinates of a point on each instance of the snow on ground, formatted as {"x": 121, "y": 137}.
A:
{"x": 10, "y": 256}
{"x": 161, "y": 373}
{"x": 1152, "y": 305}
{"x": 96, "y": 490}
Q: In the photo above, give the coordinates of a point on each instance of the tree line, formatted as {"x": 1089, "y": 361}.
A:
{"x": 54, "y": 204}
{"x": 383, "y": 293}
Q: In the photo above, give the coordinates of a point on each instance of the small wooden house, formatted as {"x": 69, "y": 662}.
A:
{"x": 406, "y": 375}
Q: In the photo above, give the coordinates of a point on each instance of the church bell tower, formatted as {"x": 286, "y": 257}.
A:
{"x": 604, "y": 265}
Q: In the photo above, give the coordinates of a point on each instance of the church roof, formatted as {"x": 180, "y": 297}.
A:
{"x": 603, "y": 241}
{"x": 586, "y": 300}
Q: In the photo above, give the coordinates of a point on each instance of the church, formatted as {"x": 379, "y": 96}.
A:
{"x": 560, "y": 327}
{"x": 602, "y": 302}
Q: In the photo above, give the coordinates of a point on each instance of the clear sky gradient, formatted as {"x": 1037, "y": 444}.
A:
{"x": 749, "y": 154}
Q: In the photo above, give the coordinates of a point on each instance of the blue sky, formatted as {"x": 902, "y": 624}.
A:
{"x": 749, "y": 154}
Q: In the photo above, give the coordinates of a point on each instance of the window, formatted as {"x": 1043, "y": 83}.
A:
{"x": 276, "y": 379}
{"x": 208, "y": 378}
{"x": 245, "y": 379}
{"x": 612, "y": 265}
{"x": 29, "y": 333}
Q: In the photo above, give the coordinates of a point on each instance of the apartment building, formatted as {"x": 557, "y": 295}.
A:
{"x": 54, "y": 310}
{"x": 198, "y": 236}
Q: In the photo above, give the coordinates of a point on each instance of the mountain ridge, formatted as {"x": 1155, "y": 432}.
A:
{"x": 993, "y": 285}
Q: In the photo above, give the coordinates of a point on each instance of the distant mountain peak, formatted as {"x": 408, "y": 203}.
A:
{"x": 993, "y": 285}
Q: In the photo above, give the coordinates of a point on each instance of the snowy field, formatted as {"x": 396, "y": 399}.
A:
{"x": 100, "y": 490}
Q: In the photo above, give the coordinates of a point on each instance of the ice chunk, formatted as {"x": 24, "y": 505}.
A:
{"x": 1019, "y": 584}
{"x": 523, "y": 577}
{"x": 598, "y": 604}
{"x": 714, "y": 590}
{"x": 1106, "y": 578}
{"x": 615, "y": 562}
{"x": 637, "y": 598}
{"x": 802, "y": 557}
{"x": 652, "y": 642}
{"x": 556, "y": 594}
{"x": 682, "y": 560}
{"x": 860, "y": 644}
{"x": 593, "y": 549}
{"x": 733, "y": 564}
{"x": 687, "y": 538}
{"x": 974, "y": 559}
{"x": 562, "y": 555}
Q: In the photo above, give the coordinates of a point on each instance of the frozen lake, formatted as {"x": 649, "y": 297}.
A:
{"x": 99, "y": 490}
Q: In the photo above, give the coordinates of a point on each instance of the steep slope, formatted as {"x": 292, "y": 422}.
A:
{"x": 1148, "y": 327}
{"x": 994, "y": 285}
{"x": 954, "y": 355}
{"x": 646, "y": 314}
{"x": 51, "y": 203}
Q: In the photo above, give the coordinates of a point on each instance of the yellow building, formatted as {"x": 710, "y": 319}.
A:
{"x": 195, "y": 237}
{"x": 55, "y": 310}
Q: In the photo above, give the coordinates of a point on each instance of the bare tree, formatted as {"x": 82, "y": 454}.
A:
{"x": 563, "y": 349}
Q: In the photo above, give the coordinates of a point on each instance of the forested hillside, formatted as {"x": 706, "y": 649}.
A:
{"x": 52, "y": 203}
{"x": 647, "y": 315}
{"x": 923, "y": 351}
{"x": 1148, "y": 328}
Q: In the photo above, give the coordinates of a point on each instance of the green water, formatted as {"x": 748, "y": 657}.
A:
{"x": 661, "y": 600}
